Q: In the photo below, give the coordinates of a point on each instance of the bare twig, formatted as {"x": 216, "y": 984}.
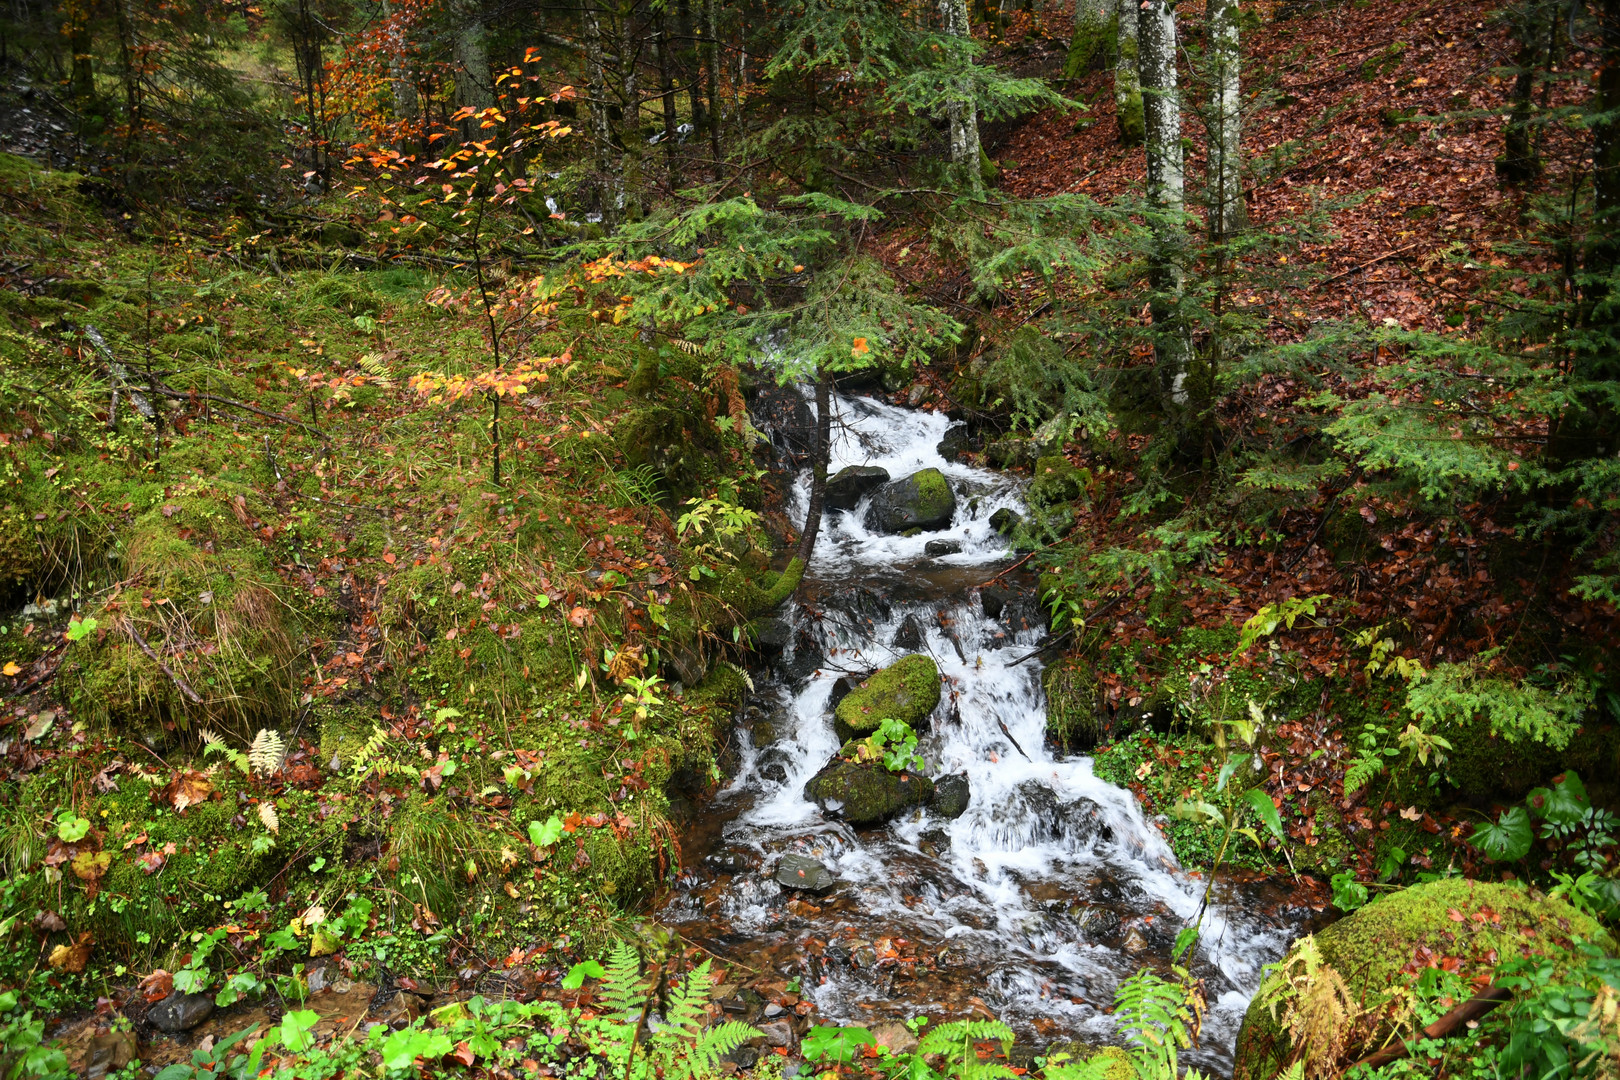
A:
{"x": 185, "y": 687}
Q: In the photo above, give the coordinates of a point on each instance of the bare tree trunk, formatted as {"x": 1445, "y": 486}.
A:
{"x": 793, "y": 573}
{"x": 609, "y": 166}
{"x": 712, "y": 51}
{"x": 406, "y": 102}
{"x": 1226, "y": 210}
{"x": 1127, "y": 79}
{"x": 666, "y": 93}
{"x": 692, "y": 63}
{"x": 470, "y": 61}
{"x": 959, "y": 111}
{"x": 1089, "y": 47}
{"x": 1536, "y": 29}
{"x": 1161, "y": 110}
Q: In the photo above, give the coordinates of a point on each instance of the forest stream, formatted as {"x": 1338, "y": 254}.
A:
{"x": 1043, "y": 895}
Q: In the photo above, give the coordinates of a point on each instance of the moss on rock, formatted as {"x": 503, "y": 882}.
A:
{"x": 864, "y": 794}
{"x": 907, "y": 690}
{"x": 1074, "y": 719}
{"x": 1371, "y": 948}
{"x": 923, "y": 500}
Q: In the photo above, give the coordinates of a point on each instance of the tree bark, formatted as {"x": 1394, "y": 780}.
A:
{"x": 1089, "y": 45}
{"x": 406, "y": 102}
{"x": 609, "y": 164}
{"x": 666, "y": 93}
{"x": 1536, "y": 28}
{"x": 1226, "y": 210}
{"x": 470, "y": 56}
{"x": 1127, "y": 77}
{"x": 712, "y": 55}
{"x": 1161, "y": 111}
{"x": 959, "y": 110}
{"x": 692, "y": 63}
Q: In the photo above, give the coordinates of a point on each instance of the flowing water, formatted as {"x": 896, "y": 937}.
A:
{"x": 1032, "y": 905}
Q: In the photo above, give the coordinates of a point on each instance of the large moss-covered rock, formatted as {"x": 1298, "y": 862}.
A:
{"x": 907, "y": 690}
{"x": 923, "y": 501}
{"x": 851, "y": 484}
{"x": 1370, "y": 948}
{"x": 866, "y": 793}
{"x": 1056, "y": 481}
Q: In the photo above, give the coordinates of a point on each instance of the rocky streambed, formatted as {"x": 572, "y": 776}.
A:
{"x": 992, "y": 878}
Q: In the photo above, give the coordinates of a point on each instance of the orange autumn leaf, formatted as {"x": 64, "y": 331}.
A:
{"x": 860, "y": 348}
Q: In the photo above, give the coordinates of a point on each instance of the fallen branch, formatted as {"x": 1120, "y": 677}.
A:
{"x": 1472, "y": 1009}
{"x": 189, "y": 395}
{"x": 185, "y": 688}
{"x": 1363, "y": 266}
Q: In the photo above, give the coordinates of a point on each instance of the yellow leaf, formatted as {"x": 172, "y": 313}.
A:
{"x": 11, "y": 669}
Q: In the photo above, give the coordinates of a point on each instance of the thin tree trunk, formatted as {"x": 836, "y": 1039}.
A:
{"x": 1226, "y": 210}
{"x": 666, "y": 92}
{"x": 470, "y": 56}
{"x": 1127, "y": 78}
{"x": 712, "y": 35}
{"x": 691, "y": 63}
{"x": 1161, "y": 109}
{"x": 406, "y": 103}
{"x": 610, "y": 172}
{"x": 959, "y": 111}
{"x": 1089, "y": 45}
{"x": 1519, "y": 162}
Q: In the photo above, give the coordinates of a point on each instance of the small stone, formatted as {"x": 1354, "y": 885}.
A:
{"x": 951, "y": 796}
{"x": 897, "y": 1037}
{"x": 111, "y": 1051}
{"x": 943, "y": 547}
{"x": 909, "y": 638}
{"x": 802, "y": 872}
{"x": 777, "y": 1033}
{"x": 181, "y": 1012}
{"x": 1005, "y": 520}
{"x": 317, "y": 979}
{"x": 773, "y": 1009}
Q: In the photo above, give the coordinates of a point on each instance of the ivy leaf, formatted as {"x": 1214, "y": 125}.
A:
{"x": 1267, "y": 810}
{"x": 1565, "y": 803}
{"x": 1506, "y": 840}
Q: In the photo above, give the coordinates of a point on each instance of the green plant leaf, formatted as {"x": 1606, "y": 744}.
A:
{"x": 295, "y": 1029}
{"x": 1348, "y": 893}
{"x": 1562, "y": 804}
{"x": 577, "y": 974}
{"x": 1507, "y": 839}
{"x": 1263, "y": 806}
{"x": 544, "y": 835}
{"x": 401, "y": 1049}
{"x": 835, "y": 1043}
{"x": 1227, "y": 770}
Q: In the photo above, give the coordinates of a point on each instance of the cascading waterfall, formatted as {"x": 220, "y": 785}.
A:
{"x": 1033, "y": 904}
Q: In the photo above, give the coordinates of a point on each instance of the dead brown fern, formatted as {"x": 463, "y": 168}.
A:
{"x": 1318, "y": 1012}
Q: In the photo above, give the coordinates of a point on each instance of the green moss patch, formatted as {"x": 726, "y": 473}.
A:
{"x": 907, "y": 690}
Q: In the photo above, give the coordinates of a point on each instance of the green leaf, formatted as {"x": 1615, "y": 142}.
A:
{"x": 1348, "y": 893}
{"x": 1268, "y": 812}
{"x": 401, "y": 1049}
{"x": 1507, "y": 839}
{"x": 545, "y": 835}
{"x": 1198, "y": 810}
{"x": 1565, "y": 803}
{"x": 1227, "y": 770}
{"x": 577, "y": 974}
{"x": 1185, "y": 940}
{"x": 295, "y": 1029}
{"x": 835, "y": 1043}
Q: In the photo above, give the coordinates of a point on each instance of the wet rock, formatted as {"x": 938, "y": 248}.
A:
{"x": 923, "y": 501}
{"x": 731, "y": 862}
{"x": 934, "y": 842}
{"x": 909, "y": 638}
{"x": 180, "y": 1012}
{"x": 897, "y": 1037}
{"x": 778, "y": 1033}
{"x": 772, "y": 634}
{"x": 843, "y": 686}
{"x": 864, "y": 794}
{"x": 1049, "y": 819}
{"x": 852, "y": 484}
{"x": 1097, "y": 924}
{"x": 774, "y": 767}
{"x": 1134, "y": 941}
{"x": 1005, "y": 520}
{"x": 993, "y": 599}
{"x": 782, "y": 412}
{"x": 951, "y": 796}
{"x": 907, "y": 690}
{"x": 746, "y": 1004}
{"x": 958, "y": 441}
{"x": 111, "y": 1051}
{"x": 943, "y": 547}
{"x": 803, "y": 872}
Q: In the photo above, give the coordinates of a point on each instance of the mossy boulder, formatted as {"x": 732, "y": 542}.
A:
{"x": 924, "y": 500}
{"x": 1056, "y": 481}
{"x": 850, "y": 485}
{"x": 1476, "y": 922}
{"x": 866, "y": 793}
{"x": 1074, "y": 716}
{"x": 907, "y": 690}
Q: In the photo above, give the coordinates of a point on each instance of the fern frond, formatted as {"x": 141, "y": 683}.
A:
{"x": 716, "y": 1042}
{"x": 746, "y": 678}
{"x": 688, "y": 347}
{"x": 214, "y": 743}
{"x": 948, "y": 1038}
{"x": 267, "y": 752}
{"x": 687, "y": 1000}
{"x": 267, "y": 814}
{"x": 621, "y": 990}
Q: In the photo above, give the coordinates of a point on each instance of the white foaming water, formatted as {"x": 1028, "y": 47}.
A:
{"x": 1044, "y": 850}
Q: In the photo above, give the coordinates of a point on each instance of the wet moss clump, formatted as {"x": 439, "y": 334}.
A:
{"x": 1074, "y": 717}
{"x": 1372, "y": 948}
{"x": 907, "y": 690}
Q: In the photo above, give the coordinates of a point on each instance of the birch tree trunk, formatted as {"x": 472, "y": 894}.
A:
{"x": 1226, "y": 209}
{"x": 470, "y": 56}
{"x": 1090, "y": 45}
{"x": 959, "y": 110}
{"x": 1161, "y": 110}
{"x": 1127, "y": 79}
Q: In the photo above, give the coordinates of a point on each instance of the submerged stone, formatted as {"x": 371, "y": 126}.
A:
{"x": 864, "y": 794}
{"x": 922, "y": 501}
{"x": 957, "y": 441}
{"x": 852, "y": 484}
{"x": 803, "y": 872}
{"x": 943, "y": 547}
{"x": 907, "y": 690}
